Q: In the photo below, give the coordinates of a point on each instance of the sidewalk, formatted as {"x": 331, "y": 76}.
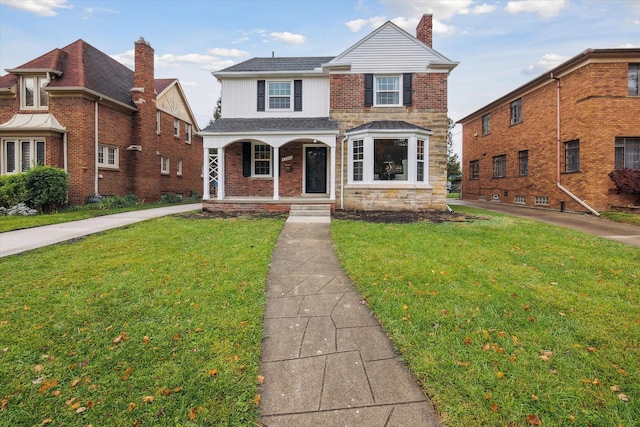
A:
{"x": 14, "y": 242}
{"x": 325, "y": 359}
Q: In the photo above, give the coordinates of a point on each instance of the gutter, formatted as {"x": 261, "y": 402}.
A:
{"x": 558, "y": 154}
{"x": 342, "y": 166}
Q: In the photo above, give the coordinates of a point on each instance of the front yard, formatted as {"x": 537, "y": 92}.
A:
{"x": 504, "y": 321}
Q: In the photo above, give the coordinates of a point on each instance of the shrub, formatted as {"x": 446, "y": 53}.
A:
{"x": 47, "y": 187}
{"x": 110, "y": 202}
{"x": 18, "y": 210}
{"x": 13, "y": 190}
{"x": 171, "y": 198}
{"x": 627, "y": 181}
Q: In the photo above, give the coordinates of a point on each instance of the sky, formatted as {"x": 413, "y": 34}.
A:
{"x": 500, "y": 45}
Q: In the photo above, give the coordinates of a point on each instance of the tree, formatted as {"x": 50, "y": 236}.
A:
{"x": 217, "y": 113}
{"x": 453, "y": 162}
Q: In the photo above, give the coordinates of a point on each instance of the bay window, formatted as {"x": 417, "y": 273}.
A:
{"x": 388, "y": 157}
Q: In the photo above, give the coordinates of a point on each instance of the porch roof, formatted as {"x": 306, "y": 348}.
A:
{"x": 272, "y": 125}
{"x": 388, "y": 125}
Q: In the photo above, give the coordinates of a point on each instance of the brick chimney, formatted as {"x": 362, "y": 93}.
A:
{"x": 143, "y": 163}
{"x": 424, "y": 31}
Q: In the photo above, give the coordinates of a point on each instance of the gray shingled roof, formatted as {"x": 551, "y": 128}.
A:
{"x": 306, "y": 63}
{"x": 387, "y": 125}
{"x": 272, "y": 125}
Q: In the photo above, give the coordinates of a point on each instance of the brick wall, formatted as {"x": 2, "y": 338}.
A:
{"x": 595, "y": 109}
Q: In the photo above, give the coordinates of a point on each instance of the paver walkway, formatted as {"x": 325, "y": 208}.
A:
{"x": 325, "y": 358}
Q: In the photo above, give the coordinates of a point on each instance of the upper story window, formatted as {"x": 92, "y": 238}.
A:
{"x": 176, "y": 128}
{"x": 20, "y": 155}
{"x": 516, "y": 111}
{"x": 572, "y": 156}
{"x": 107, "y": 156}
{"x": 187, "y": 133}
{"x": 32, "y": 92}
{"x": 387, "y": 90}
{"x": 627, "y": 153}
{"x": 279, "y": 94}
{"x": 486, "y": 124}
{"x": 634, "y": 79}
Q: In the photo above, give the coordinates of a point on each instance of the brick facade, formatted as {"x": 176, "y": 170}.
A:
{"x": 594, "y": 109}
{"x": 127, "y": 124}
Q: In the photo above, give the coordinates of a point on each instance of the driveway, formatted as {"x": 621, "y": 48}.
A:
{"x": 587, "y": 223}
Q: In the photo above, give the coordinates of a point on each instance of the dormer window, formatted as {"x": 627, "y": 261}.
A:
{"x": 32, "y": 92}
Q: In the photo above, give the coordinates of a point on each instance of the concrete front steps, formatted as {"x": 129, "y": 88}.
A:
{"x": 310, "y": 213}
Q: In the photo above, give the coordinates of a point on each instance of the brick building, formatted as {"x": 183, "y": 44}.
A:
{"x": 363, "y": 130}
{"x": 114, "y": 130}
{"x": 553, "y": 141}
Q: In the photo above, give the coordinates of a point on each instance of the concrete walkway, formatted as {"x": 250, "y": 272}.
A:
{"x": 325, "y": 358}
{"x": 14, "y": 242}
{"x": 591, "y": 224}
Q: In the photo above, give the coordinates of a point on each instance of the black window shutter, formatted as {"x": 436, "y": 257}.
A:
{"x": 297, "y": 95}
{"x": 368, "y": 90}
{"x": 406, "y": 89}
{"x": 261, "y": 93}
{"x": 246, "y": 159}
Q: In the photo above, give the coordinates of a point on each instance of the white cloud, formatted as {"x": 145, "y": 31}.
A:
{"x": 288, "y": 37}
{"x": 408, "y": 25}
{"x": 39, "y": 7}
{"x": 547, "y": 62}
{"x": 544, "y": 8}
{"x": 483, "y": 8}
{"x": 356, "y": 25}
{"x": 219, "y": 51}
{"x": 169, "y": 60}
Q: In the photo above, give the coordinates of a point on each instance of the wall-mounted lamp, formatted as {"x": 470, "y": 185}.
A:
{"x": 288, "y": 167}
{"x": 475, "y": 134}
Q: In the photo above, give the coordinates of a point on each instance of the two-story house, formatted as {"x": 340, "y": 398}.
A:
{"x": 362, "y": 130}
{"x": 114, "y": 130}
{"x": 553, "y": 141}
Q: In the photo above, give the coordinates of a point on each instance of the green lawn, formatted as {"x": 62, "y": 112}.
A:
{"x": 506, "y": 321}
{"x": 159, "y": 323}
{"x": 10, "y": 223}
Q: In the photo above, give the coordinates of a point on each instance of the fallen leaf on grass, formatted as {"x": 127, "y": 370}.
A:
{"x": 47, "y": 385}
{"x": 132, "y": 406}
{"x": 46, "y": 421}
{"x": 81, "y": 410}
{"x": 256, "y": 399}
{"x": 260, "y": 379}
{"x": 500, "y": 374}
{"x": 590, "y": 349}
{"x": 460, "y": 363}
{"x": 74, "y": 383}
{"x": 533, "y": 420}
{"x": 623, "y": 397}
{"x": 213, "y": 372}
{"x": 614, "y": 388}
{"x": 534, "y": 397}
{"x": 546, "y": 356}
{"x": 494, "y": 407}
{"x": 127, "y": 374}
{"x": 193, "y": 412}
{"x": 467, "y": 341}
{"x": 148, "y": 399}
{"x": 4, "y": 404}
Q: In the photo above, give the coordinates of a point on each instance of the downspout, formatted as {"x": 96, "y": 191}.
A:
{"x": 559, "y": 152}
{"x": 65, "y": 151}
{"x": 95, "y": 159}
{"x": 342, "y": 173}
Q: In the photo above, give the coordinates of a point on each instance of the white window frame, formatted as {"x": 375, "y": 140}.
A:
{"x": 39, "y": 93}
{"x": 164, "y": 165}
{"x": 18, "y": 152}
{"x": 179, "y": 167}
{"x": 255, "y": 159}
{"x": 187, "y": 133}
{"x": 368, "y": 158}
{"x": 108, "y": 156}
{"x": 377, "y": 90}
{"x": 176, "y": 128}
{"x": 268, "y": 95}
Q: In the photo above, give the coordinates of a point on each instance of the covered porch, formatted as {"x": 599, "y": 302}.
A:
{"x": 269, "y": 164}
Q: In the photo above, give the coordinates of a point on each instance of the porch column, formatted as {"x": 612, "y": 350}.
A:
{"x": 221, "y": 166}
{"x": 332, "y": 174}
{"x": 276, "y": 173}
{"x": 206, "y": 194}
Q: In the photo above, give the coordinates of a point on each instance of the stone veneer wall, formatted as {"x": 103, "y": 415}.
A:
{"x": 396, "y": 197}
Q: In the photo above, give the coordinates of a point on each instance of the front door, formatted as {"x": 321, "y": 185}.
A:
{"x": 316, "y": 169}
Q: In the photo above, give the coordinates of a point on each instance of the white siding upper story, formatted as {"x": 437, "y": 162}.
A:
{"x": 240, "y": 97}
{"x": 390, "y": 49}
